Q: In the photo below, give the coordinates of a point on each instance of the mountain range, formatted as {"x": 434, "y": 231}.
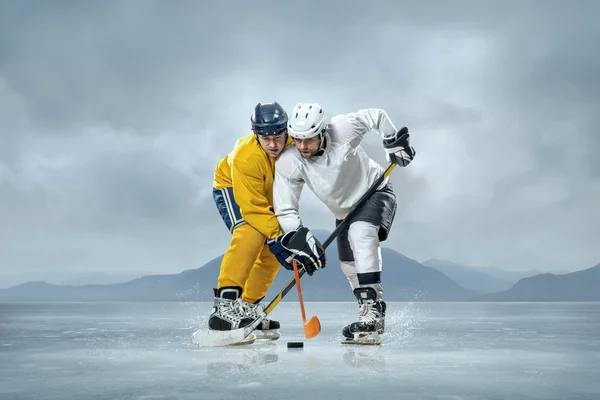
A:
{"x": 480, "y": 279}
{"x": 404, "y": 279}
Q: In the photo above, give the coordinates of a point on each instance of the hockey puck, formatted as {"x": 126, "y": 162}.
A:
{"x": 295, "y": 345}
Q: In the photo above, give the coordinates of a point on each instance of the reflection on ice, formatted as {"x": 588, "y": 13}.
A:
{"x": 372, "y": 359}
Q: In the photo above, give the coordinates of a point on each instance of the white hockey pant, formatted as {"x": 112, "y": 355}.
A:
{"x": 365, "y": 270}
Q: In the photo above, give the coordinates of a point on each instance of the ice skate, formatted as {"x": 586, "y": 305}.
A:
{"x": 371, "y": 319}
{"x": 268, "y": 329}
{"x": 229, "y": 313}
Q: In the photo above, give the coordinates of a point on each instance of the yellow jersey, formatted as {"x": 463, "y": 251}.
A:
{"x": 250, "y": 171}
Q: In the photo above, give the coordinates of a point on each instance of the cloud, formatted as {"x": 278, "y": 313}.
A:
{"x": 113, "y": 116}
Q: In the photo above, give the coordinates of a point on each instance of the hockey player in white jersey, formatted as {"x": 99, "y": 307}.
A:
{"x": 329, "y": 159}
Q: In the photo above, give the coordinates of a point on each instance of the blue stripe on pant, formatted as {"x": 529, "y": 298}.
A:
{"x": 228, "y": 208}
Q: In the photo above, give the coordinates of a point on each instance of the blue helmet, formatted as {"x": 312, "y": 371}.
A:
{"x": 269, "y": 119}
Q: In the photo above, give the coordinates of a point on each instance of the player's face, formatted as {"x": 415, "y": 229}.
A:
{"x": 272, "y": 145}
{"x": 308, "y": 147}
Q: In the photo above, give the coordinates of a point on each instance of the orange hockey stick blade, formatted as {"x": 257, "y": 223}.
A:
{"x": 312, "y": 327}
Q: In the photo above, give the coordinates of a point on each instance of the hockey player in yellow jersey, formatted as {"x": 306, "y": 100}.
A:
{"x": 243, "y": 193}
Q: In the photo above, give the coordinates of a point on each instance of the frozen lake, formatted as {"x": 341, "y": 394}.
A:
{"x": 480, "y": 351}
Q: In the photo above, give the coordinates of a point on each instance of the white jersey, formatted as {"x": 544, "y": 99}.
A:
{"x": 339, "y": 177}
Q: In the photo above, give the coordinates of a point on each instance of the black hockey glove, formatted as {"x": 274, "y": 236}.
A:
{"x": 278, "y": 247}
{"x": 300, "y": 245}
{"x": 398, "y": 149}
{"x": 308, "y": 251}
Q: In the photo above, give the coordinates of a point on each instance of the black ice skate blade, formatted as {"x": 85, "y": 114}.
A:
{"x": 360, "y": 342}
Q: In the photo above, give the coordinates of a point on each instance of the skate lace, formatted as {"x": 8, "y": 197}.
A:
{"x": 232, "y": 309}
{"x": 367, "y": 312}
{"x": 252, "y": 310}
{"x": 238, "y": 307}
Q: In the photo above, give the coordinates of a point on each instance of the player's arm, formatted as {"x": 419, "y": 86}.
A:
{"x": 395, "y": 142}
{"x": 367, "y": 120}
{"x": 297, "y": 242}
{"x": 287, "y": 189}
{"x": 249, "y": 193}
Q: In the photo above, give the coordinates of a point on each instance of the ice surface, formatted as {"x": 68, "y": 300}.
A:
{"x": 430, "y": 351}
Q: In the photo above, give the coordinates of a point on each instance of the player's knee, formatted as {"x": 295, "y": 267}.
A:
{"x": 364, "y": 233}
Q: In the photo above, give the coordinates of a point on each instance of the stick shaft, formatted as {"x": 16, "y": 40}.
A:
{"x": 297, "y": 277}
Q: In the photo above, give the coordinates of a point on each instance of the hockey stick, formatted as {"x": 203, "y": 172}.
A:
{"x": 312, "y": 327}
{"x": 225, "y": 338}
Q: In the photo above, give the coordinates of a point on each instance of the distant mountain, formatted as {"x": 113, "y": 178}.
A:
{"x": 508, "y": 275}
{"x": 179, "y": 287}
{"x": 469, "y": 277}
{"x": 505, "y": 276}
{"x": 71, "y": 278}
{"x": 575, "y": 286}
{"x": 404, "y": 279}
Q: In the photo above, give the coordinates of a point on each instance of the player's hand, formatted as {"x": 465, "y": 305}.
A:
{"x": 398, "y": 149}
{"x": 300, "y": 245}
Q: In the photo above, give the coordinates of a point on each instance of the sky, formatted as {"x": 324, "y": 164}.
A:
{"x": 114, "y": 114}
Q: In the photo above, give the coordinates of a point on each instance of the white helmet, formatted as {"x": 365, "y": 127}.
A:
{"x": 307, "y": 121}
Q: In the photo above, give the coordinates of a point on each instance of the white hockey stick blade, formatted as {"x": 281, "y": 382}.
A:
{"x": 212, "y": 338}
